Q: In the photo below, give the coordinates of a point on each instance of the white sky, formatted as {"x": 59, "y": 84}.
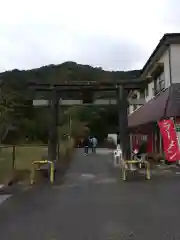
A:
{"x": 113, "y": 34}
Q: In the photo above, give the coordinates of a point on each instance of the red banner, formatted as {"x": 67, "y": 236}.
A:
{"x": 171, "y": 147}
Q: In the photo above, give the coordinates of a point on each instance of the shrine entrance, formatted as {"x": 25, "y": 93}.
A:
{"x": 85, "y": 91}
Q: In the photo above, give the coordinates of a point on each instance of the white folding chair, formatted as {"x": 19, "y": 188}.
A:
{"x": 117, "y": 156}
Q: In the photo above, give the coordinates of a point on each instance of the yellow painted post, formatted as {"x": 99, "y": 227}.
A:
{"x": 32, "y": 174}
{"x": 148, "y": 175}
{"x": 52, "y": 172}
{"x": 41, "y": 162}
{"x": 124, "y": 171}
{"x": 51, "y": 177}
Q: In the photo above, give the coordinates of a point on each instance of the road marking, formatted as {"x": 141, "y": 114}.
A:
{"x": 100, "y": 181}
{"x": 106, "y": 180}
{"x": 26, "y": 188}
{"x": 87, "y": 176}
{"x": 104, "y": 151}
{"x": 167, "y": 170}
{"x": 4, "y": 197}
{"x": 65, "y": 186}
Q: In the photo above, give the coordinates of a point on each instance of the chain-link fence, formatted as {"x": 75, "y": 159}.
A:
{"x": 19, "y": 157}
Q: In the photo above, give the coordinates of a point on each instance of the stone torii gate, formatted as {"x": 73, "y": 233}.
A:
{"x": 121, "y": 88}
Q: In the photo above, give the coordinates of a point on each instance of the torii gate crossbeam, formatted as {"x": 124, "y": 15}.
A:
{"x": 121, "y": 88}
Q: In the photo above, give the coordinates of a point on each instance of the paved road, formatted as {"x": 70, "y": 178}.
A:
{"x": 93, "y": 204}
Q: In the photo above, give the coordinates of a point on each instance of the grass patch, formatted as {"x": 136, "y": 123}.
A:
{"x": 24, "y": 156}
{"x": 66, "y": 148}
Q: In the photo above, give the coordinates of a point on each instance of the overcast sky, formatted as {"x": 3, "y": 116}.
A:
{"x": 113, "y": 34}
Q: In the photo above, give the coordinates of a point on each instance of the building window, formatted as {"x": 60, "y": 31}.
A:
{"x": 177, "y": 127}
{"x": 146, "y": 92}
{"x": 153, "y": 92}
{"x": 134, "y": 107}
{"x": 135, "y": 95}
{"x": 160, "y": 83}
{"x": 142, "y": 94}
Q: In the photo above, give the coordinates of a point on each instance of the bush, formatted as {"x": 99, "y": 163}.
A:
{"x": 155, "y": 158}
{"x": 66, "y": 148}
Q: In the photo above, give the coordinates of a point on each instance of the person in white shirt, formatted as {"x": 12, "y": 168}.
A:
{"x": 93, "y": 144}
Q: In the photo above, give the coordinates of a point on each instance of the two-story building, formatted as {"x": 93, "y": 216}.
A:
{"x": 162, "y": 93}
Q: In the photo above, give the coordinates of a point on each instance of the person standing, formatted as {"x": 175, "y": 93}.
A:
{"x": 94, "y": 144}
{"x": 118, "y": 139}
{"x": 86, "y": 145}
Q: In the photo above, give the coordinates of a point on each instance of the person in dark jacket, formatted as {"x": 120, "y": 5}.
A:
{"x": 86, "y": 145}
{"x": 118, "y": 139}
{"x": 142, "y": 148}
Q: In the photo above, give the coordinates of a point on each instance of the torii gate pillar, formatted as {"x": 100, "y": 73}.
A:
{"x": 53, "y": 126}
{"x": 123, "y": 121}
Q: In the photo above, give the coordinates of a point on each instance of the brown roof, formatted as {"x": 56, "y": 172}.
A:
{"x": 165, "y": 104}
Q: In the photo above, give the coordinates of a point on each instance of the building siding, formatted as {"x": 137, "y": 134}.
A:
{"x": 175, "y": 63}
{"x": 171, "y": 61}
{"x": 165, "y": 60}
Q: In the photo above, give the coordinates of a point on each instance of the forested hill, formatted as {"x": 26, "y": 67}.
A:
{"x": 16, "y": 105}
{"x": 67, "y": 71}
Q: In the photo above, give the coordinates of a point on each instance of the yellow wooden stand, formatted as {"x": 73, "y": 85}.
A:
{"x": 125, "y": 168}
{"x": 36, "y": 166}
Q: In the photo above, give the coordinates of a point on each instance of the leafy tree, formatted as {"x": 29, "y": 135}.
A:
{"x": 78, "y": 130}
{"x": 72, "y": 124}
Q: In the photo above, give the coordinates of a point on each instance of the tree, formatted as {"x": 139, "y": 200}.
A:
{"x": 12, "y": 107}
{"x": 72, "y": 124}
{"x": 15, "y": 109}
{"x": 78, "y": 130}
